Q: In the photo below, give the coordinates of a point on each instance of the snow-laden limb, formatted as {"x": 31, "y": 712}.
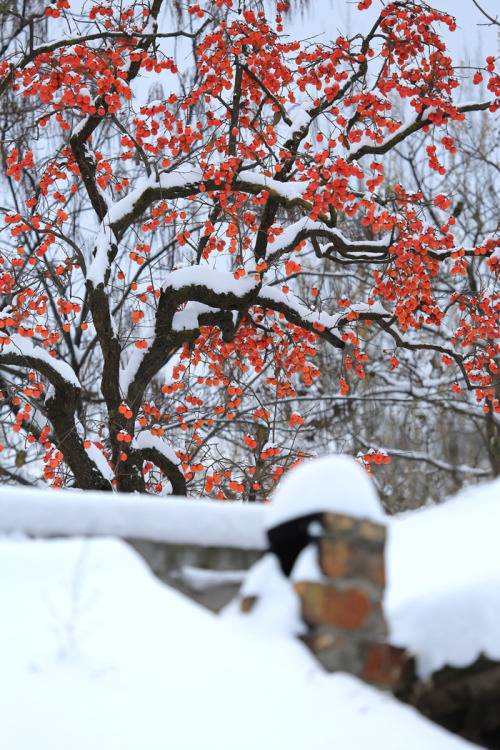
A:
{"x": 306, "y": 228}
{"x": 60, "y": 407}
{"x": 101, "y": 462}
{"x": 188, "y": 319}
{"x": 219, "y": 282}
{"x": 300, "y": 123}
{"x": 167, "y": 185}
{"x": 288, "y": 190}
{"x": 327, "y": 326}
{"x": 123, "y": 212}
{"x": 165, "y": 181}
{"x": 147, "y": 440}
{"x": 20, "y": 351}
{"x": 371, "y": 250}
{"x": 295, "y": 233}
{"x": 333, "y": 327}
{"x": 426, "y": 458}
{"x": 158, "y": 451}
{"x": 103, "y": 251}
{"x": 129, "y": 371}
{"x": 300, "y": 315}
{"x": 190, "y": 297}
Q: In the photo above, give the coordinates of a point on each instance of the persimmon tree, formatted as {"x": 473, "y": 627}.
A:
{"x": 434, "y": 432}
{"x": 155, "y": 323}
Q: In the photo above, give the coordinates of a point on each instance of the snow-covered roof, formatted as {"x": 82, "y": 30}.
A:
{"x": 336, "y": 484}
{"x": 443, "y": 567}
{"x": 443, "y": 594}
{"x": 96, "y": 653}
{"x": 172, "y": 520}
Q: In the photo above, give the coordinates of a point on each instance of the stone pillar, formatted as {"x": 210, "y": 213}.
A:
{"x": 343, "y": 608}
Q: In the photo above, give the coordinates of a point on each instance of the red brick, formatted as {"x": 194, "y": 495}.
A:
{"x": 342, "y": 558}
{"x": 325, "y": 605}
{"x": 384, "y": 665}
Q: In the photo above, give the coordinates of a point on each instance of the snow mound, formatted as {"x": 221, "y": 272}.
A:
{"x": 96, "y": 653}
{"x": 443, "y": 595}
{"x": 335, "y": 484}
{"x": 277, "y": 606}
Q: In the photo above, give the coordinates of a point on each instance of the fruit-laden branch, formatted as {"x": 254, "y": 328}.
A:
{"x": 60, "y": 407}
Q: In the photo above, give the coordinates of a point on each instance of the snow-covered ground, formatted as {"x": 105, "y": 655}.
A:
{"x": 96, "y": 654}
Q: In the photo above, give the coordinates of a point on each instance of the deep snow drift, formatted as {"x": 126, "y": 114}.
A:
{"x": 96, "y": 653}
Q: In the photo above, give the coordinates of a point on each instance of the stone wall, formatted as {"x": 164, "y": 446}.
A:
{"x": 342, "y": 602}
{"x": 210, "y": 576}
{"x": 203, "y": 548}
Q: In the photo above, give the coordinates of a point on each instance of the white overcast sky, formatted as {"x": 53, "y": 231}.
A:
{"x": 471, "y": 42}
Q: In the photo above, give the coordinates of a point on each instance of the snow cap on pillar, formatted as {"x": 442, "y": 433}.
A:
{"x": 333, "y": 484}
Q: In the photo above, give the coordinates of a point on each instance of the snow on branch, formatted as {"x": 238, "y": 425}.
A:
{"x": 160, "y": 453}
{"x": 219, "y": 282}
{"x": 21, "y": 352}
{"x": 300, "y": 315}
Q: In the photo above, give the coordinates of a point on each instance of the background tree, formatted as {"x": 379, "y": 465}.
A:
{"x": 157, "y": 320}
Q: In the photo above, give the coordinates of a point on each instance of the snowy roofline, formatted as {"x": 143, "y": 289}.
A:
{"x": 173, "y": 520}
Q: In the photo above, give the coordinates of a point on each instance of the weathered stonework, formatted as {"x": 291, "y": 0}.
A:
{"x": 324, "y": 604}
{"x": 350, "y": 558}
{"x": 343, "y": 611}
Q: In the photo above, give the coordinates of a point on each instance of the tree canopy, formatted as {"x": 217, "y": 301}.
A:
{"x": 175, "y": 185}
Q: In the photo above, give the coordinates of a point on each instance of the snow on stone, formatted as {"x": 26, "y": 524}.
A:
{"x": 96, "y": 653}
{"x": 220, "y": 282}
{"x": 200, "y": 579}
{"x": 277, "y": 605}
{"x": 172, "y": 520}
{"x": 24, "y": 346}
{"x": 335, "y": 484}
{"x": 443, "y": 597}
{"x": 443, "y": 570}
{"x": 147, "y": 440}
